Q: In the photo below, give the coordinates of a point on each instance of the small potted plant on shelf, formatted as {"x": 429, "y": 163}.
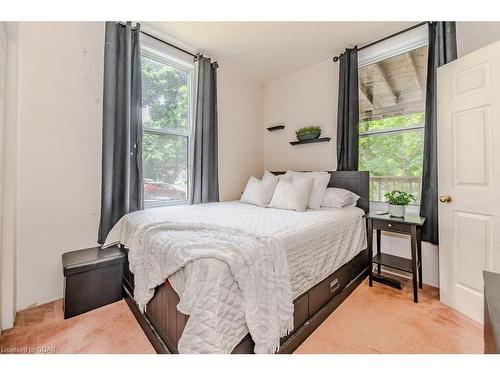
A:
{"x": 308, "y": 132}
{"x": 398, "y": 200}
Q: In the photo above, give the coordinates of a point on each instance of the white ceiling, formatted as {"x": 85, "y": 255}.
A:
{"x": 268, "y": 50}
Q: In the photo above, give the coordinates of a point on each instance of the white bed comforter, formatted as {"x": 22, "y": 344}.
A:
{"x": 183, "y": 244}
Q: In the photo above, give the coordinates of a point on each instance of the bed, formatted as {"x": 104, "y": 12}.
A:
{"x": 325, "y": 249}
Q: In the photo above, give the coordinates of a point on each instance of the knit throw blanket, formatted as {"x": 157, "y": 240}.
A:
{"x": 258, "y": 264}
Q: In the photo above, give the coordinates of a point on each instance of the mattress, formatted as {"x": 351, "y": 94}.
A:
{"x": 317, "y": 243}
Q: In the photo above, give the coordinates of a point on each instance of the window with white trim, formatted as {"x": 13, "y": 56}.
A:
{"x": 167, "y": 96}
{"x": 392, "y": 78}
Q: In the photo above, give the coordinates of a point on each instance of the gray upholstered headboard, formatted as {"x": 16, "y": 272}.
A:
{"x": 355, "y": 181}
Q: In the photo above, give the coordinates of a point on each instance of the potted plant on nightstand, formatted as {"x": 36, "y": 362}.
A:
{"x": 398, "y": 200}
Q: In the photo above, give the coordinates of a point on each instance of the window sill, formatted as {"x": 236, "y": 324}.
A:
{"x": 148, "y": 205}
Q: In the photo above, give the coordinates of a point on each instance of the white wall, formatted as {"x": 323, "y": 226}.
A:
{"x": 3, "y": 79}
{"x": 241, "y": 113}
{"x": 54, "y": 155}
{"x": 53, "y": 145}
{"x": 474, "y": 35}
{"x": 397, "y": 244}
{"x": 9, "y": 204}
{"x": 309, "y": 96}
{"x": 59, "y": 156}
{"x": 306, "y": 97}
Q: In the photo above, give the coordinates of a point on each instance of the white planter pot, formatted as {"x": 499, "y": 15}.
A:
{"x": 397, "y": 210}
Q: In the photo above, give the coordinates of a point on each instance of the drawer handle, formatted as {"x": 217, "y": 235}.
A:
{"x": 334, "y": 285}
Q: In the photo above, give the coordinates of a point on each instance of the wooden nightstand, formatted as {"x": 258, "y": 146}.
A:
{"x": 411, "y": 225}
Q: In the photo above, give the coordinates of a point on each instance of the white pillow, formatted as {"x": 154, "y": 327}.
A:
{"x": 260, "y": 192}
{"x": 292, "y": 193}
{"x": 338, "y": 198}
{"x": 321, "y": 180}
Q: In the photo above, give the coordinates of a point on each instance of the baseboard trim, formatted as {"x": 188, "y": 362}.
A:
{"x": 405, "y": 276}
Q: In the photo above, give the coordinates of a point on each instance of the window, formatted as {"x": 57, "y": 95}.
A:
{"x": 391, "y": 127}
{"x": 166, "y": 116}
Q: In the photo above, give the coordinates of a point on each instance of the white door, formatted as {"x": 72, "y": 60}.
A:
{"x": 469, "y": 173}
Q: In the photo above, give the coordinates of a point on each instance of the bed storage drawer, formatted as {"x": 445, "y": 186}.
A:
{"x": 128, "y": 276}
{"x": 323, "y": 292}
{"x": 301, "y": 311}
{"x": 163, "y": 315}
{"x": 300, "y": 314}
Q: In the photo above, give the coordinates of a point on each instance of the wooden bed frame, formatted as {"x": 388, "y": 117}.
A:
{"x": 163, "y": 324}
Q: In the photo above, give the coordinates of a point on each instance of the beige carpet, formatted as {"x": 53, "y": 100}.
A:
{"x": 371, "y": 320}
{"x": 109, "y": 329}
{"x": 386, "y": 320}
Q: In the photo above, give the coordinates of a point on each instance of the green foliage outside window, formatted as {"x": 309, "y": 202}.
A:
{"x": 165, "y": 102}
{"x": 165, "y": 94}
{"x": 398, "y": 154}
{"x": 165, "y": 106}
{"x": 394, "y": 159}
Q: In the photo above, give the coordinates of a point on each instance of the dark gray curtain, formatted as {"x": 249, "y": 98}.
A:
{"x": 348, "y": 112}
{"x": 442, "y": 50}
{"x": 122, "y": 186}
{"x": 205, "y": 181}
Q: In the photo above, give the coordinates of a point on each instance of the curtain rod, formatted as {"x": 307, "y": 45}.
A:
{"x": 164, "y": 41}
{"x": 336, "y": 58}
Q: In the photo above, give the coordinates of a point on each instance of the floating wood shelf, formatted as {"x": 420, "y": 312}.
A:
{"x": 276, "y": 127}
{"x": 316, "y": 140}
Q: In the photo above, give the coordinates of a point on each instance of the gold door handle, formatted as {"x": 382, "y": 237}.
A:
{"x": 445, "y": 199}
